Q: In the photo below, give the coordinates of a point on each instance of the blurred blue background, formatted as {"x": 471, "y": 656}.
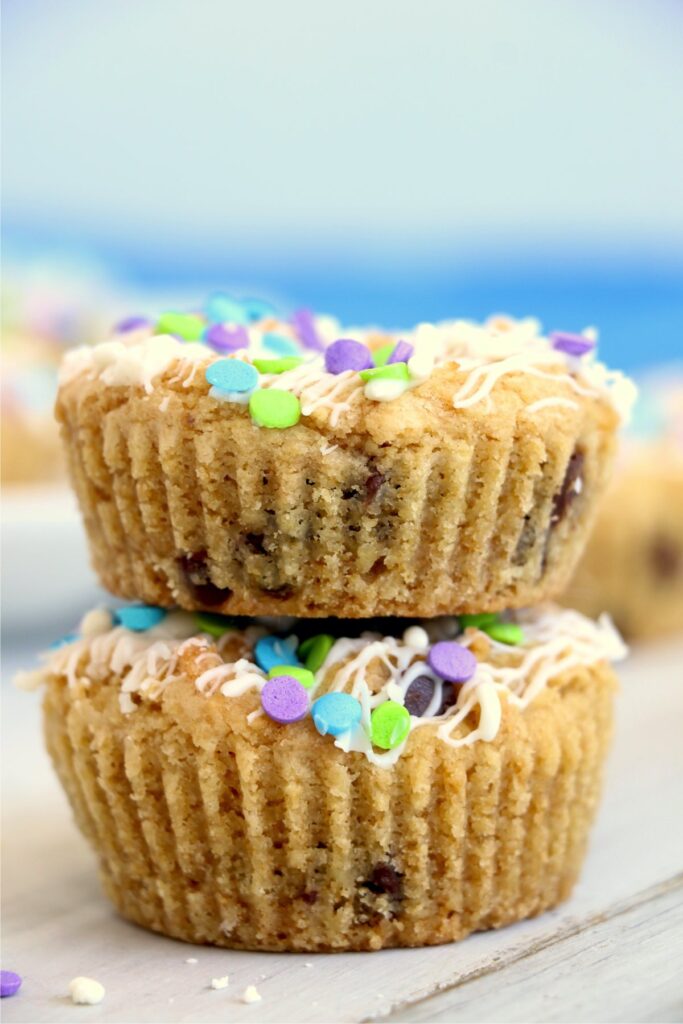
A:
{"x": 381, "y": 160}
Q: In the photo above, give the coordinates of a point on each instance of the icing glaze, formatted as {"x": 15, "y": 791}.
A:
{"x": 370, "y": 667}
{"x": 484, "y": 353}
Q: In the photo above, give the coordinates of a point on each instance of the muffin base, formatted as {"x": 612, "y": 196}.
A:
{"x": 407, "y": 508}
{"x": 212, "y": 830}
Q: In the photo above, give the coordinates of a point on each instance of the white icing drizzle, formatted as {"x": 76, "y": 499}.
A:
{"x": 555, "y": 642}
{"x": 483, "y": 353}
{"x": 547, "y": 403}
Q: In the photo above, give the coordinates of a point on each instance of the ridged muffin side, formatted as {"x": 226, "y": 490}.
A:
{"x": 212, "y": 829}
{"x": 410, "y": 507}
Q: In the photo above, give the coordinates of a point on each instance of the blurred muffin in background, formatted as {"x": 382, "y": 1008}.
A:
{"x": 633, "y": 564}
{"x": 46, "y": 309}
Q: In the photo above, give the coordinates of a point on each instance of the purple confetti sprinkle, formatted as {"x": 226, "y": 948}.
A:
{"x": 131, "y": 323}
{"x": 226, "y": 339}
{"x": 452, "y": 661}
{"x": 10, "y": 983}
{"x": 346, "y": 354}
{"x": 284, "y": 699}
{"x": 402, "y": 353}
{"x": 571, "y": 344}
{"x": 303, "y": 322}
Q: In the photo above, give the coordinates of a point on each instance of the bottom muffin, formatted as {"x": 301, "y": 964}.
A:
{"x": 450, "y": 790}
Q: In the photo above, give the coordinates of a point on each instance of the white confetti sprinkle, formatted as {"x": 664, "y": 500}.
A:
{"x": 220, "y": 982}
{"x": 191, "y": 960}
{"x": 251, "y": 995}
{"x": 86, "y": 991}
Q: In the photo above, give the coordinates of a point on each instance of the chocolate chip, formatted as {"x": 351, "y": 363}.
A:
{"x": 666, "y": 558}
{"x": 197, "y": 576}
{"x": 572, "y": 486}
{"x": 527, "y": 539}
{"x": 373, "y": 484}
{"x": 309, "y": 897}
{"x": 349, "y": 492}
{"x": 254, "y": 542}
{"x": 378, "y": 567}
{"x": 449, "y": 696}
{"x": 385, "y": 880}
{"x": 419, "y": 695}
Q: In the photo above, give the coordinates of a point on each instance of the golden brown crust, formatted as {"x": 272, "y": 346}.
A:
{"x": 259, "y": 836}
{"x": 419, "y": 509}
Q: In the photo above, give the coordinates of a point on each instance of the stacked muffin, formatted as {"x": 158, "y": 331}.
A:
{"x": 324, "y": 775}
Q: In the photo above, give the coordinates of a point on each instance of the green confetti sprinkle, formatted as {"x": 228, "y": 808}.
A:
{"x": 380, "y": 355}
{"x": 270, "y": 407}
{"x": 314, "y": 650}
{"x": 505, "y": 633}
{"x": 389, "y": 725}
{"x": 186, "y": 325}
{"x": 480, "y": 621}
{"x": 278, "y": 365}
{"x": 214, "y": 625}
{"x": 395, "y": 371}
{"x": 304, "y": 675}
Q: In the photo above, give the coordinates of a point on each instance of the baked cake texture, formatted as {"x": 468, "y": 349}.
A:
{"x": 258, "y": 466}
{"x": 263, "y": 786}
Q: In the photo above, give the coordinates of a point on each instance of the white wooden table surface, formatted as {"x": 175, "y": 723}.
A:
{"x": 613, "y": 953}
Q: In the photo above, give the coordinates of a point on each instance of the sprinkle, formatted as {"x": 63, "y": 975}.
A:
{"x": 452, "y": 661}
{"x": 505, "y": 633}
{"x": 232, "y": 375}
{"x": 192, "y": 960}
{"x": 419, "y": 695}
{"x": 284, "y": 699}
{"x": 226, "y": 339}
{"x": 336, "y": 713}
{"x": 220, "y": 982}
{"x": 184, "y": 325}
{"x": 397, "y": 371}
{"x": 389, "y": 725}
{"x": 280, "y": 345}
{"x": 278, "y": 365}
{"x": 416, "y": 636}
{"x": 273, "y": 408}
{"x": 131, "y": 323}
{"x": 479, "y": 621}
{"x": 270, "y": 651}
{"x": 251, "y": 995}
{"x": 86, "y": 991}
{"x": 221, "y": 308}
{"x": 381, "y": 354}
{"x": 139, "y": 617}
{"x": 346, "y": 354}
{"x": 10, "y": 983}
{"x": 402, "y": 353}
{"x": 385, "y": 390}
{"x": 63, "y": 641}
{"x": 303, "y": 322}
{"x": 213, "y": 624}
{"x": 258, "y": 309}
{"x": 314, "y": 650}
{"x": 571, "y": 344}
{"x": 303, "y": 675}
{"x": 421, "y": 366}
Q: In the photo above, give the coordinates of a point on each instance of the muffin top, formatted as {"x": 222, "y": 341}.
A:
{"x": 308, "y": 367}
{"x": 365, "y": 684}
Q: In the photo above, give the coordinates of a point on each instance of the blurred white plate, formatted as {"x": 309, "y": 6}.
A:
{"x": 47, "y": 582}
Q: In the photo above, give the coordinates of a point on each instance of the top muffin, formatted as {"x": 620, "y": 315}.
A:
{"x": 236, "y": 462}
